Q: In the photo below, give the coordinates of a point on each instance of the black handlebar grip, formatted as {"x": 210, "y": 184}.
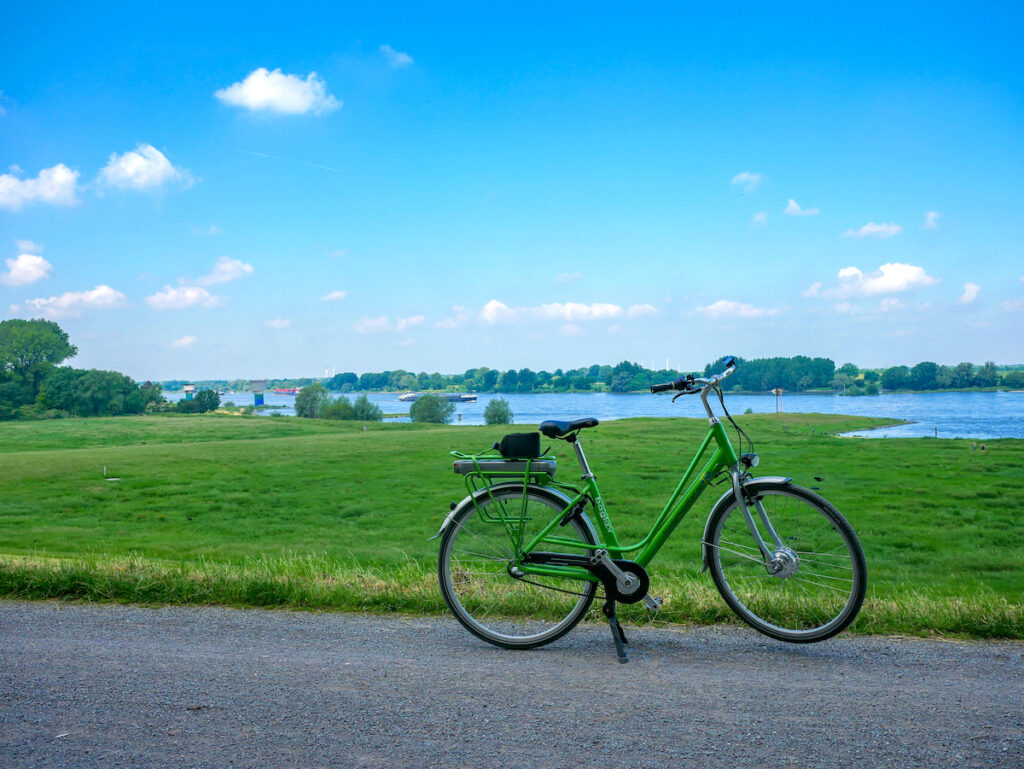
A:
{"x": 660, "y": 388}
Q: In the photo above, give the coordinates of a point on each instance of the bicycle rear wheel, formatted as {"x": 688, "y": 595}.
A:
{"x": 475, "y": 572}
{"x": 822, "y": 575}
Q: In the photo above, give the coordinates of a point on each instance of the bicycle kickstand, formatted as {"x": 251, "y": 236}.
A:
{"x": 617, "y": 635}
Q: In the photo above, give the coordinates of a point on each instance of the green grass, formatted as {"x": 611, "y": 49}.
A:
{"x": 302, "y": 513}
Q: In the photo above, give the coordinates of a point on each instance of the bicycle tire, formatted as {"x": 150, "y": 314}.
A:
{"x": 814, "y": 598}
{"x": 473, "y": 566}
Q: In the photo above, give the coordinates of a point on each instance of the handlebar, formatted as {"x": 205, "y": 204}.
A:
{"x": 691, "y": 384}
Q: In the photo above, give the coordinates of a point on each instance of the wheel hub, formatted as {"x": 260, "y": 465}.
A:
{"x": 784, "y": 563}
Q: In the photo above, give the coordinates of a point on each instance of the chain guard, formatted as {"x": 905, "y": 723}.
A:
{"x": 599, "y": 570}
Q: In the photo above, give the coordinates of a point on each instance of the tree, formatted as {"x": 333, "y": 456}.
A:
{"x": 508, "y": 382}
{"x": 896, "y": 378}
{"x": 987, "y": 375}
{"x": 311, "y": 401}
{"x": 1014, "y": 379}
{"x": 849, "y": 369}
{"x": 841, "y": 380}
{"x": 430, "y": 408}
{"x": 498, "y": 412}
{"x": 962, "y": 375}
{"x": 924, "y": 376}
{"x": 208, "y": 400}
{"x": 871, "y": 376}
{"x": 527, "y": 380}
{"x": 338, "y": 381}
{"x": 364, "y": 411}
{"x": 29, "y": 349}
{"x": 91, "y": 393}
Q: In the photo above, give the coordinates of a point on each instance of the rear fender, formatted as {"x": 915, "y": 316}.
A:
{"x": 751, "y": 486}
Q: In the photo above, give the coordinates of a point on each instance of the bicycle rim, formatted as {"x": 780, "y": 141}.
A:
{"x": 473, "y": 569}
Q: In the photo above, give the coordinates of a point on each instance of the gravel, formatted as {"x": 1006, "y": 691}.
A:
{"x": 115, "y": 686}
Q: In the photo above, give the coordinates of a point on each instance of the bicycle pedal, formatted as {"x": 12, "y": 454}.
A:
{"x": 652, "y": 603}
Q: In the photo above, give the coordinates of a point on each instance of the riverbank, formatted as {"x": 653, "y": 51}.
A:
{"x": 312, "y": 514}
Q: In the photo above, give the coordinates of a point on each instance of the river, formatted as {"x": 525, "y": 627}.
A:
{"x": 980, "y": 415}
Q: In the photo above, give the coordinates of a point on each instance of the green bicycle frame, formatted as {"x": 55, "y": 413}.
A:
{"x": 686, "y": 494}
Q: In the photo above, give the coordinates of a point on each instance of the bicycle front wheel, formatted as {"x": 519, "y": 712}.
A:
{"x": 816, "y": 585}
{"x": 476, "y": 569}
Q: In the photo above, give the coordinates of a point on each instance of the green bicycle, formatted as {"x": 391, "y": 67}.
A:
{"x": 521, "y": 561}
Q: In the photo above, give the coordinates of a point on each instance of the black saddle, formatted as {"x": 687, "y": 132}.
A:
{"x": 553, "y": 428}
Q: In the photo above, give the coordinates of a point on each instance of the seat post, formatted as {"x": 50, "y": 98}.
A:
{"x": 580, "y": 456}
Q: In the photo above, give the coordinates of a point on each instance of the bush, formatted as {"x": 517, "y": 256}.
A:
{"x": 498, "y": 412}
{"x": 339, "y": 409}
{"x": 364, "y": 411}
{"x": 430, "y": 408}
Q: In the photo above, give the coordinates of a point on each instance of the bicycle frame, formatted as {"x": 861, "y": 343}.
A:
{"x": 685, "y": 495}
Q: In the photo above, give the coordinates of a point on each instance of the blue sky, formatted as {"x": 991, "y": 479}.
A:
{"x": 246, "y": 191}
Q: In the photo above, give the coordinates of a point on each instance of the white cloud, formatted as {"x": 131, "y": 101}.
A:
{"x": 226, "y": 270}
{"x": 931, "y": 220}
{"x": 278, "y": 322}
{"x": 568, "y": 277}
{"x": 143, "y": 168}
{"x": 890, "y": 278}
{"x": 72, "y": 303}
{"x": 28, "y": 247}
{"x": 726, "y": 308}
{"x": 185, "y": 341}
{"x": 334, "y": 296}
{"x": 749, "y": 180}
{"x": 1015, "y": 306}
{"x": 970, "y": 293}
{"x": 574, "y": 311}
{"x": 396, "y": 58}
{"x": 793, "y": 209}
{"x": 570, "y": 330}
{"x": 496, "y": 311}
{"x": 213, "y": 229}
{"x": 367, "y": 325}
{"x": 263, "y": 90}
{"x": 25, "y": 269}
{"x": 812, "y": 290}
{"x": 760, "y": 219}
{"x": 171, "y": 298}
{"x": 56, "y": 186}
{"x": 641, "y": 310}
{"x": 872, "y": 230}
{"x": 403, "y": 323}
{"x": 889, "y": 304}
{"x": 461, "y": 315}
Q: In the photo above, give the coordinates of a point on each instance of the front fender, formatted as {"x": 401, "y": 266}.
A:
{"x": 553, "y": 495}
{"x": 727, "y": 498}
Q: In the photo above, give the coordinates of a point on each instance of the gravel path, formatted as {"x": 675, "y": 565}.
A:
{"x": 115, "y": 686}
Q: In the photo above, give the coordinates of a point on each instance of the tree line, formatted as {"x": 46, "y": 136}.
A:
{"x": 33, "y": 384}
{"x": 798, "y": 373}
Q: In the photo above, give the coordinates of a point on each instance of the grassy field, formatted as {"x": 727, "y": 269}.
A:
{"x": 302, "y": 513}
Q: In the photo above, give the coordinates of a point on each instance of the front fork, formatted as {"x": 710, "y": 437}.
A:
{"x": 771, "y": 557}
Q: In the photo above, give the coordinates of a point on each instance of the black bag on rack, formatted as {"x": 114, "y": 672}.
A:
{"x": 519, "y": 446}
